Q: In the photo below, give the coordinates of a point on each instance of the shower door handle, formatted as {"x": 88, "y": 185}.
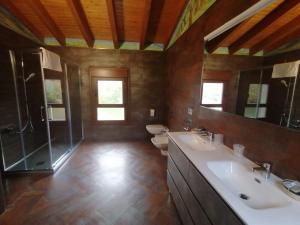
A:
{"x": 42, "y": 114}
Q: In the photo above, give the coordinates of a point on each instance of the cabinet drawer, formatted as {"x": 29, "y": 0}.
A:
{"x": 179, "y": 158}
{"x": 181, "y": 209}
{"x": 193, "y": 206}
{"x": 215, "y": 208}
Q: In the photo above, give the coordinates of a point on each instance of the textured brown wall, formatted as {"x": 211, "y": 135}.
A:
{"x": 147, "y": 89}
{"x": 184, "y": 68}
{"x": 263, "y": 141}
{"x": 12, "y": 40}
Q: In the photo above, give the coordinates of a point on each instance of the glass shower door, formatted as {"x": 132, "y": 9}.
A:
{"x": 34, "y": 126}
{"x": 75, "y": 103}
{"x": 24, "y": 140}
{"x": 10, "y": 139}
{"x": 58, "y": 113}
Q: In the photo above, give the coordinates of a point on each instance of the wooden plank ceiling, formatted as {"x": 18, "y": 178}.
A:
{"x": 269, "y": 29}
{"x": 141, "y": 21}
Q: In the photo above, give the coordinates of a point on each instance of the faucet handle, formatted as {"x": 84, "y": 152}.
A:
{"x": 198, "y": 130}
{"x": 264, "y": 164}
{"x": 210, "y": 136}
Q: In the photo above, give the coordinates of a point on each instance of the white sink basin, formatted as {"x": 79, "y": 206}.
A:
{"x": 251, "y": 188}
{"x": 194, "y": 142}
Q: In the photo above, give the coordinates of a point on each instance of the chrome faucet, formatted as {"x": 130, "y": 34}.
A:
{"x": 188, "y": 124}
{"x": 266, "y": 167}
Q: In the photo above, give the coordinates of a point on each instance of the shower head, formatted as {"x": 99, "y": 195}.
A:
{"x": 29, "y": 77}
{"x": 284, "y": 83}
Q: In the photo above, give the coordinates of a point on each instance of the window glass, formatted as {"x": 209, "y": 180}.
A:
{"x": 57, "y": 113}
{"x": 110, "y": 92}
{"x": 110, "y": 114}
{"x": 53, "y": 91}
{"x": 262, "y": 112}
{"x": 250, "y": 112}
{"x": 217, "y": 108}
{"x": 253, "y": 93}
{"x": 264, "y": 94}
{"x": 212, "y": 93}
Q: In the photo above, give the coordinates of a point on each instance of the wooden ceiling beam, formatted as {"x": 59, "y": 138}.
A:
{"x": 232, "y": 34}
{"x": 295, "y": 34}
{"x": 23, "y": 19}
{"x": 217, "y": 42}
{"x": 146, "y": 17}
{"x": 113, "y": 23}
{"x": 45, "y": 17}
{"x": 267, "y": 21}
{"x": 173, "y": 29}
{"x": 81, "y": 19}
{"x": 283, "y": 33}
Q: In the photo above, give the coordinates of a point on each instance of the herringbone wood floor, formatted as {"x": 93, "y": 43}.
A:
{"x": 103, "y": 183}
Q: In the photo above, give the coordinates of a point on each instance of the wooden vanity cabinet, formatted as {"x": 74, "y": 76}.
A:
{"x": 2, "y": 200}
{"x": 200, "y": 201}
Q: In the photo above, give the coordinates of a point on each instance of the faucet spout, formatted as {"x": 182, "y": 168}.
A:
{"x": 266, "y": 167}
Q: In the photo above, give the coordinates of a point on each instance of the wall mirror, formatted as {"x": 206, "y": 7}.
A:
{"x": 270, "y": 94}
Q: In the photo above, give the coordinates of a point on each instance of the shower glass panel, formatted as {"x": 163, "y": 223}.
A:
{"x": 40, "y": 112}
{"x": 11, "y": 146}
{"x": 58, "y": 113}
{"x": 30, "y": 147}
{"x": 74, "y": 90}
{"x": 249, "y": 95}
{"x": 32, "y": 106}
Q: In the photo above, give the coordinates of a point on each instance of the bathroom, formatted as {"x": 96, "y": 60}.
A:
{"x": 64, "y": 160}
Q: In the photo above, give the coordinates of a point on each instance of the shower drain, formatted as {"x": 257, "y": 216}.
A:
{"x": 244, "y": 196}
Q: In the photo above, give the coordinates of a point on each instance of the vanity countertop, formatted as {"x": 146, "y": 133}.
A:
{"x": 204, "y": 154}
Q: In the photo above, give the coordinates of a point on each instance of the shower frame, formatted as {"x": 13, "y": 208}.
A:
{"x": 53, "y": 165}
{"x": 260, "y": 69}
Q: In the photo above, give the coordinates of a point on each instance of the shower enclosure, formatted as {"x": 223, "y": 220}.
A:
{"x": 40, "y": 112}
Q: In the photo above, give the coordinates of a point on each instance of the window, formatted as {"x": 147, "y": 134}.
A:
{"x": 54, "y": 96}
{"x": 109, "y": 87}
{"x": 256, "y": 107}
{"x": 212, "y": 95}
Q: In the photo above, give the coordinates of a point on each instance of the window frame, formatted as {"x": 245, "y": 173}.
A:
{"x": 109, "y": 74}
{"x": 212, "y": 106}
{"x": 258, "y": 105}
{"x": 60, "y": 77}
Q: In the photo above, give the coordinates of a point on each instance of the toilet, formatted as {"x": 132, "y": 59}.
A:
{"x": 160, "y": 139}
{"x": 161, "y": 142}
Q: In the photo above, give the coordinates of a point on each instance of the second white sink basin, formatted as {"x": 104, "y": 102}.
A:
{"x": 251, "y": 188}
{"x": 194, "y": 142}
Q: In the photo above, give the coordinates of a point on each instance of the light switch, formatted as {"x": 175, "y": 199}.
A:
{"x": 152, "y": 112}
{"x": 190, "y": 111}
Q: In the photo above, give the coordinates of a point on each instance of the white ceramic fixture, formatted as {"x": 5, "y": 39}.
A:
{"x": 155, "y": 129}
{"x": 161, "y": 142}
{"x": 253, "y": 190}
{"x": 194, "y": 141}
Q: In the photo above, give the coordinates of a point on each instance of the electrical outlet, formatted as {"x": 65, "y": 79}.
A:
{"x": 190, "y": 111}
